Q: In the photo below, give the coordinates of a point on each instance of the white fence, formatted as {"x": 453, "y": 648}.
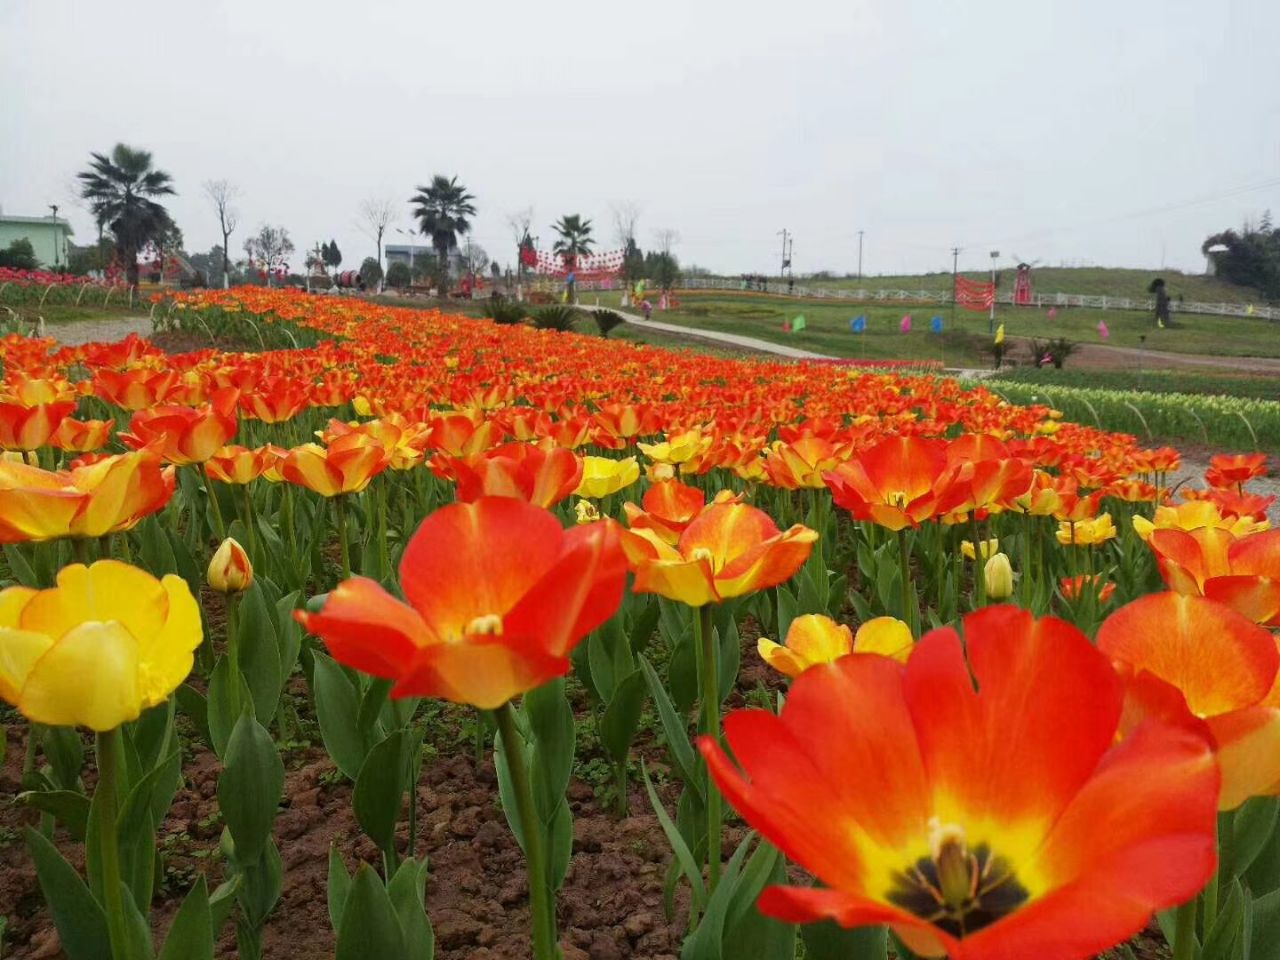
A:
{"x": 864, "y": 295}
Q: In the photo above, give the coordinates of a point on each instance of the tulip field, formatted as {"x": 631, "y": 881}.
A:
{"x": 411, "y": 635}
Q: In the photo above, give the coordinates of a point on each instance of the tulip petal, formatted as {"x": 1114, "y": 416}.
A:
{"x": 88, "y": 678}
{"x": 107, "y": 591}
{"x": 19, "y": 651}
{"x": 484, "y": 672}
{"x": 887, "y": 636}
{"x": 366, "y": 628}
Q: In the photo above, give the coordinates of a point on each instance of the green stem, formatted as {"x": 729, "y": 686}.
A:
{"x": 384, "y": 549}
{"x": 219, "y": 525}
{"x": 106, "y": 798}
{"x": 1027, "y": 524}
{"x": 340, "y": 505}
{"x": 979, "y": 580}
{"x": 908, "y": 590}
{"x": 81, "y": 547}
{"x": 249, "y": 524}
{"x": 540, "y": 905}
{"x": 704, "y": 636}
{"x": 233, "y": 653}
{"x": 1184, "y": 943}
{"x": 1209, "y": 897}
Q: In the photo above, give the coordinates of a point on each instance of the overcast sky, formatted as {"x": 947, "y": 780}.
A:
{"x": 1116, "y": 133}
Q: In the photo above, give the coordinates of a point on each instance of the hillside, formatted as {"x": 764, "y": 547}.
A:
{"x": 1108, "y": 281}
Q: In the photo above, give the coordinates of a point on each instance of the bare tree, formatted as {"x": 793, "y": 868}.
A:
{"x": 268, "y": 251}
{"x": 668, "y": 268}
{"x": 222, "y": 194}
{"x": 625, "y": 217}
{"x": 376, "y": 216}
{"x": 520, "y": 222}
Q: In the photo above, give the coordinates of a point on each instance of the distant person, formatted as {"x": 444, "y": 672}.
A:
{"x": 1162, "y": 302}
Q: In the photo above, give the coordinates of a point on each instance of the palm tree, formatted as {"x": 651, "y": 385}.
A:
{"x": 575, "y": 241}
{"x": 442, "y": 210}
{"x": 119, "y": 189}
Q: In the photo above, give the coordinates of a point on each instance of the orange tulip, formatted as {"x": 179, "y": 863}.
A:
{"x": 498, "y": 594}
{"x": 898, "y": 483}
{"x": 1074, "y": 587}
{"x": 239, "y": 465}
{"x": 542, "y": 475}
{"x": 993, "y": 813}
{"x": 668, "y": 507}
{"x": 728, "y": 550}
{"x": 107, "y": 496}
{"x": 82, "y": 436}
{"x": 1242, "y": 572}
{"x": 347, "y": 465}
{"x": 185, "y": 435}
{"x": 230, "y": 570}
{"x": 32, "y": 410}
{"x": 276, "y": 399}
{"x": 804, "y": 462}
{"x": 1183, "y": 653}
{"x": 1235, "y": 470}
{"x": 137, "y": 389}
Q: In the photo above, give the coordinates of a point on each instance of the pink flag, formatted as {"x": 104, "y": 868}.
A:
{"x": 1103, "y": 330}
{"x": 786, "y": 326}
{"x": 905, "y": 326}
{"x": 1053, "y": 313}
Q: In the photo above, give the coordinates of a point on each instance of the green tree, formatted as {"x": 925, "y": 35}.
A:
{"x": 398, "y": 275}
{"x": 371, "y": 273}
{"x": 442, "y": 210}
{"x": 1251, "y": 257}
{"x": 574, "y": 241}
{"x": 121, "y": 189}
{"x": 20, "y": 255}
{"x": 331, "y": 255}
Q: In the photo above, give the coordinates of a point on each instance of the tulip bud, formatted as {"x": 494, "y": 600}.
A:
{"x": 230, "y": 570}
{"x": 998, "y": 574}
{"x": 586, "y": 511}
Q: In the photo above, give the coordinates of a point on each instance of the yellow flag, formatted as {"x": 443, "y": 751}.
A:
{"x": 1000, "y": 334}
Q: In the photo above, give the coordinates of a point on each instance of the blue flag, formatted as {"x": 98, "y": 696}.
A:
{"x": 859, "y": 323}
{"x": 936, "y": 325}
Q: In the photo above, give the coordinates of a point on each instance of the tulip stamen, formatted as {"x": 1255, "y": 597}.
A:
{"x": 957, "y": 888}
{"x": 489, "y": 625}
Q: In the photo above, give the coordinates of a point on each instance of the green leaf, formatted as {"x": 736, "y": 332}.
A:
{"x": 684, "y": 856}
{"x": 673, "y": 727}
{"x": 19, "y": 566}
{"x": 622, "y": 716}
{"x": 370, "y": 927}
{"x": 380, "y": 787}
{"x": 137, "y": 826}
{"x": 339, "y": 886}
{"x": 338, "y": 710}
{"x": 225, "y": 692}
{"x": 196, "y": 709}
{"x": 1265, "y": 942}
{"x": 250, "y": 788}
{"x": 221, "y": 902}
{"x": 601, "y": 665}
{"x": 830, "y": 941}
{"x": 65, "y": 751}
{"x": 69, "y": 808}
{"x": 407, "y": 891}
{"x": 260, "y": 655}
{"x": 81, "y": 924}
{"x": 1252, "y": 826}
{"x": 190, "y": 934}
{"x": 551, "y": 723}
{"x": 682, "y": 672}
{"x": 1220, "y": 942}
{"x": 730, "y": 646}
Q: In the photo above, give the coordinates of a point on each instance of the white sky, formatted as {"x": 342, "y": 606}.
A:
{"x": 1060, "y": 131}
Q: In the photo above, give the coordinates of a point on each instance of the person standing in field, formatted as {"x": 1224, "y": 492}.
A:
{"x": 1162, "y": 302}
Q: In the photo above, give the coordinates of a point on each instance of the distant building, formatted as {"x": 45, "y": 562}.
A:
{"x": 48, "y": 237}
{"x": 399, "y": 253}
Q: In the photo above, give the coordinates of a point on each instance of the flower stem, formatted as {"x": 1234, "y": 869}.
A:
{"x": 219, "y": 525}
{"x": 1184, "y": 944}
{"x": 233, "y": 654}
{"x": 540, "y": 906}
{"x": 249, "y": 523}
{"x": 106, "y": 796}
{"x": 979, "y": 578}
{"x": 908, "y": 590}
{"x": 704, "y": 636}
{"x": 340, "y": 505}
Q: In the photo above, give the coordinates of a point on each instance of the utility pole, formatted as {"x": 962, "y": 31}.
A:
{"x": 860, "y": 232}
{"x": 57, "y": 260}
{"x": 955, "y": 260}
{"x": 991, "y": 323}
{"x": 786, "y": 256}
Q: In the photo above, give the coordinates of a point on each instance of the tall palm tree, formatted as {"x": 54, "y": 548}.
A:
{"x": 442, "y": 210}
{"x": 575, "y": 241}
{"x": 120, "y": 189}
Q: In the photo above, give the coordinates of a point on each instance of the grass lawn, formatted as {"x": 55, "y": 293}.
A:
{"x": 1255, "y": 386}
{"x": 1109, "y": 281}
{"x": 965, "y": 340}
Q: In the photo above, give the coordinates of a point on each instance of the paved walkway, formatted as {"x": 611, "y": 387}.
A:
{"x": 73, "y": 333}
{"x": 717, "y": 336}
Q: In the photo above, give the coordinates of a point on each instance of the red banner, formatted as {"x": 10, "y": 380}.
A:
{"x": 595, "y": 266}
{"x": 977, "y": 295}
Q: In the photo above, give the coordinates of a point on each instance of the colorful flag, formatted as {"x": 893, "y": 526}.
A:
{"x": 1053, "y": 313}
{"x": 1000, "y": 334}
{"x": 905, "y": 325}
{"x": 1103, "y": 330}
{"x": 859, "y": 323}
{"x": 936, "y": 324}
{"x": 798, "y": 324}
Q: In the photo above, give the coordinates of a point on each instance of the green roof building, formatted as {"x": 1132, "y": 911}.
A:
{"x": 48, "y": 236}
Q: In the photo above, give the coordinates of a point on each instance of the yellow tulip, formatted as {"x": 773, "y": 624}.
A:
{"x": 602, "y": 476}
{"x": 998, "y": 577}
{"x": 814, "y": 639}
{"x": 230, "y": 570}
{"x": 887, "y": 636}
{"x": 1086, "y": 533}
{"x": 106, "y": 643}
{"x": 989, "y": 548}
